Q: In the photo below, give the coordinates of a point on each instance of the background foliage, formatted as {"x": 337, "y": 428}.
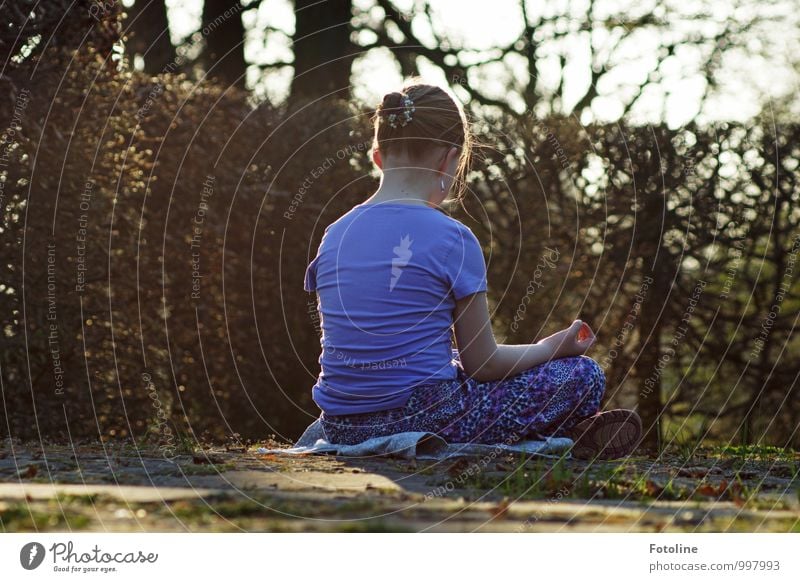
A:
{"x": 678, "y": 245}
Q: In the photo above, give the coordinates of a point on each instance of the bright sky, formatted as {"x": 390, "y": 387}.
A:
{"x": 749, "y": 77}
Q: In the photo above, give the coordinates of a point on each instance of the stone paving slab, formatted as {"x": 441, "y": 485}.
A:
{"x": 290, "y": 481}
{"x": 125, "y": 493}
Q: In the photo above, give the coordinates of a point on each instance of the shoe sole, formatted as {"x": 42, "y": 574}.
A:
{"x": 609, "y": 435}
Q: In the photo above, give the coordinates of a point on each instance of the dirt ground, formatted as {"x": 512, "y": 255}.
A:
{"x": 123, "y": 488}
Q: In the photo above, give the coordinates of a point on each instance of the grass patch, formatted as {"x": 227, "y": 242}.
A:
{"x": 755, "y": 452}
{"x": 207, "y": 469}
{"x": 541, "y": 479}
{"x": 21, "y": 517}
{"x": 73, "y": 499}
{"x": 529, "y": 480}
{"x": 370, "y": 526}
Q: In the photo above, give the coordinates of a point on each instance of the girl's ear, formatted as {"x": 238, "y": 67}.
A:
{"x": 450, "y": 156}
{"x": 376, "y": 158}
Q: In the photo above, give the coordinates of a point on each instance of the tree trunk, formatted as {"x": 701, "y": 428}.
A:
{"x": 323, "y": 51}
{"x": 651, "y": 320}
{"x": 149, "y": 35}
{"x": 650, "y": 327}
{"x": 762, "y": 373}
{"x": 224, "y": 34}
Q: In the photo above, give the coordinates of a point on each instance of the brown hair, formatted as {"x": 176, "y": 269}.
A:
{"x": 436, "y": 120}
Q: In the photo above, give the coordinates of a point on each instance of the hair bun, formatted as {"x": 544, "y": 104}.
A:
{"x": 392, "y": 102}
{"x": 397, "y": 109}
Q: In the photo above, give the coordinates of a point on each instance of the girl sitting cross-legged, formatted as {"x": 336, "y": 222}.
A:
{"x": 396, "y": 276}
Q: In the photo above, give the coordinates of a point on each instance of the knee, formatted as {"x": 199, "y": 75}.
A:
{"x": 593, "y": 377}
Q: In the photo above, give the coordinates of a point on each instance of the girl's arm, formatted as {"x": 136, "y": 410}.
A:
{"x": 485, "y": 360}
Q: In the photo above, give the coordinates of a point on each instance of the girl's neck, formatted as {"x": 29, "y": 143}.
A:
{"x": 394, "y": 197}
{"x": 402, "y": 187}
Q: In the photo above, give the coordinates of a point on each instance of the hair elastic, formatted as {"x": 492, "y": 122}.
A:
{"x": 407, "y": 115}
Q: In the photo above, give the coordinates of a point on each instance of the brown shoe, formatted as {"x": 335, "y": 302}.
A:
{"x": 606, "y": 435}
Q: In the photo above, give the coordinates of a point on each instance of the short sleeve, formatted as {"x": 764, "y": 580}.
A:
{"x": 310, "y": 279}
{"x": 310, "y": 282}
{"x": 465, "y": 268}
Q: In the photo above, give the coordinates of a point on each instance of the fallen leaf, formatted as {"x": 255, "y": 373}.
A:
{"x": 204, "y": 459}
{"x": 458, "y": 467}
{"x": 29, "y": 472}
{"x": 710, "y": 490}
{"x": 500, "y": 511}
{"x": 735, "y": 492}
{"x": 707, "y": 489}
{"x": 693, "y": 472}
{"x": 653, "y": 488}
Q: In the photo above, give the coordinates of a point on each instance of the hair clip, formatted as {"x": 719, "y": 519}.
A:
{"x": 407, "y": 115}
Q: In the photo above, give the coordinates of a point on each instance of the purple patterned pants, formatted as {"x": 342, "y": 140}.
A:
{"x": 546, "y": 400}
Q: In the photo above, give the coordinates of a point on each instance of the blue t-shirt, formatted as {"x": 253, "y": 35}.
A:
{"x": 388, "y": 276}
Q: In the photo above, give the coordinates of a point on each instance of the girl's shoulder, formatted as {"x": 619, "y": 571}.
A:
{"x": 434, "y": 220}
{"x": 459, "y": 227}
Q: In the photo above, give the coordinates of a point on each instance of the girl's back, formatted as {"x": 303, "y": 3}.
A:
{"x": 388, "y": 276}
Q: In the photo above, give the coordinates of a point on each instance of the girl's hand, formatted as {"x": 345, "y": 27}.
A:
{"x": 570, "y": 342}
